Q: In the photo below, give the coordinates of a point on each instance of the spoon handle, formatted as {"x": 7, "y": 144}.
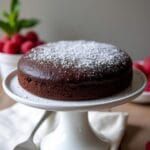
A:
{"x": 43, "y": 118}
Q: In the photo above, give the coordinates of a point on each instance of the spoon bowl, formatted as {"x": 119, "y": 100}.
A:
{"x": 28, "y": 145}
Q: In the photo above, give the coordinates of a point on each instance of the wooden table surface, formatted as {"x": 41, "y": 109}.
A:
{"x": 138, "y": 129}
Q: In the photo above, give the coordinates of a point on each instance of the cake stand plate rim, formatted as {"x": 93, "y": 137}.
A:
{"x": 15, "y": 91}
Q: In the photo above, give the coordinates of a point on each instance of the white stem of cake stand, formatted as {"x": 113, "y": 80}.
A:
{"x": 73, "y": 133}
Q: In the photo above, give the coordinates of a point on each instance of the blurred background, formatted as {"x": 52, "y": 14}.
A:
{"x": 125, "y": 23}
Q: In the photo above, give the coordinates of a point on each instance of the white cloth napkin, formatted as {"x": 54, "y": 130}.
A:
{"x": 17, "y": 122}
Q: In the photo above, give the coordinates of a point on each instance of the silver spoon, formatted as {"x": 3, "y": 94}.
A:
{"x": 29, "y": 144}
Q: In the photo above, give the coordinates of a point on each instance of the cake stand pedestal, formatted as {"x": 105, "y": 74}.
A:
{"x": 73, "y": 131}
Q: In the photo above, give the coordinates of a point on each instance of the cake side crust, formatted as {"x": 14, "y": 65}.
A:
{"x": 74, "y": 92}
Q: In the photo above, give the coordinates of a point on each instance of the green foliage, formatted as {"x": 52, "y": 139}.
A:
{"x": 27, "y": 23}
{"x": 15, "y": 6}
{"x": 11, "y": 23}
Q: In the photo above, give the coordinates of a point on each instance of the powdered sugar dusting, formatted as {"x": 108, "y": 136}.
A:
{"x": 78, "y": 54}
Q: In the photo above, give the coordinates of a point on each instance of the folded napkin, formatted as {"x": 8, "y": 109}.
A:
{"x": 18, "y": 121}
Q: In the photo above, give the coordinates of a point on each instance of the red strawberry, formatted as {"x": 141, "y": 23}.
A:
{"x": 38, "y": 43}
{"x": 27, "y": 46}
{"x": 148, "y": 77}
{"x": 147, "y": 146}
{"x": 32, "y": 36}
{"x": 5, "y": 38}
{"x": 1, "y": 46}
{"x": 18, "y": 38}
{"x": 147, "y": 88}
{"x": 11, "y": 48}
{"x": 147, "y": 65}
{"x": 139, "y": 66}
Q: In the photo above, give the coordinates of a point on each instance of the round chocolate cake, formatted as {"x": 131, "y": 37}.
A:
{"x": 75, "y": 70}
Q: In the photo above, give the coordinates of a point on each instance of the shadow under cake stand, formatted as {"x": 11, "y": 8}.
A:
{"x": 73, "y": 131}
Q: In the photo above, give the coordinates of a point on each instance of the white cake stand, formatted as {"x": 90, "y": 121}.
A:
{"x": 73, "y": 131}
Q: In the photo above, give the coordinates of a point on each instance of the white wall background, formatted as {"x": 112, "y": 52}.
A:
{"x": 125, "y": 23}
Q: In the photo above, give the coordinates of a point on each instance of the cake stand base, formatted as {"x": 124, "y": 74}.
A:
{"x": 73, "y": 133}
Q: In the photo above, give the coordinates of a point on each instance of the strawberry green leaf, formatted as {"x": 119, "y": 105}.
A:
{"x": 13, "y": 19}
{"x": 5, "y": 26}
{"x": 5, "y": 15}
{"x": 27, "y": 23}
{"x": 11, "y": 22}
{"x": 15, "y": 6}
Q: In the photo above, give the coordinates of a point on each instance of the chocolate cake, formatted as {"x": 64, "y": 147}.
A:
{"x": 75, "y": 70}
